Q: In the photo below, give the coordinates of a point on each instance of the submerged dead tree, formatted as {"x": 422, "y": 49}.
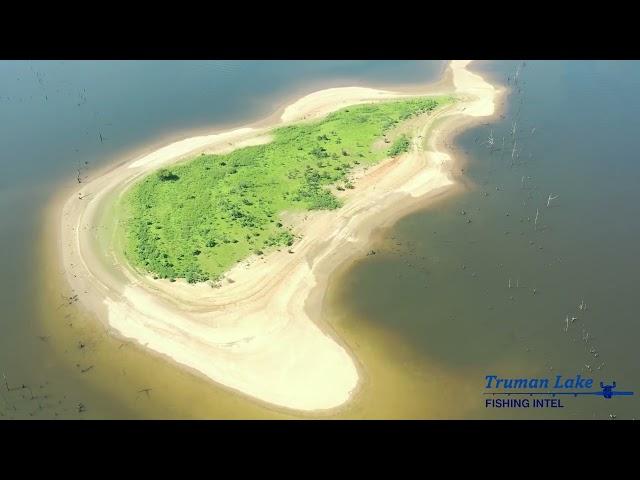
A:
{"x": 490, "y": 141}
{"x": 79, "y": 168}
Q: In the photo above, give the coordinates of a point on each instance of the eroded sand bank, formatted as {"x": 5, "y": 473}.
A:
{"x": 263, "y": 334}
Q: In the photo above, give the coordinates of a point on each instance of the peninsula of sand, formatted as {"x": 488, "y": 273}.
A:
{"x": 262, "y": 334}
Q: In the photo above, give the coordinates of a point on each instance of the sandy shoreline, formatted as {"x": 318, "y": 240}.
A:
{"x": 263, "y": 334}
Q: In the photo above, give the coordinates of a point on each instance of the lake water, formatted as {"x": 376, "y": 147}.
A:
{"x": 442, "y": 284}
{"x": 428, "y": 316}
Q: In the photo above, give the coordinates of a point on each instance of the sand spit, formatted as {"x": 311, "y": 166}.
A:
{"x": 260, "y": 333}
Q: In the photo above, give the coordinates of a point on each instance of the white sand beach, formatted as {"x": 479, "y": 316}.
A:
{"x": 262, "y": 333}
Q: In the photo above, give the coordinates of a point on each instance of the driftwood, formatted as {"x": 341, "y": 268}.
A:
{"x": 69, "y": 300}
{"x": 145, "y": 390}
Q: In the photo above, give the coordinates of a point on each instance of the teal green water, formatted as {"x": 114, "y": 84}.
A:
{"x": 57, "y": 115}
{"x": 428, "y": 316}
{"x": 442, "y": 284}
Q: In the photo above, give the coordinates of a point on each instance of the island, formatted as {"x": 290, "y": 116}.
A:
{"x": 215, "y": 251}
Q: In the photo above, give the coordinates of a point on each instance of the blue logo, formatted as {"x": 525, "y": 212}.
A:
{"x": 543, "y": 387}
{"x": 607, "y": 391}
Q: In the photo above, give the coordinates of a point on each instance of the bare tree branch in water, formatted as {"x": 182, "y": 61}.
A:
{"x": 145, "y": 390}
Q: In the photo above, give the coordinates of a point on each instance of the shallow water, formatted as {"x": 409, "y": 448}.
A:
{"x": 428, "y": 316}
{"x": 442, "y": 284}
{"x": 53, "y": 115}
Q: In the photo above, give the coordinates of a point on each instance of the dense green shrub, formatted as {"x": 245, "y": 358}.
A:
{"x": 401, "y": 145}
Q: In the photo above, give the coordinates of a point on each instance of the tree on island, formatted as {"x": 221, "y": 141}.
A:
{"x": 166, "y": 175}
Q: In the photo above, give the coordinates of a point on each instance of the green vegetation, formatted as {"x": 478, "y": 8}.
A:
{"x": 197, "y": 219}
{"x": 165, "y": 175}
{"x": 401, "y": 145}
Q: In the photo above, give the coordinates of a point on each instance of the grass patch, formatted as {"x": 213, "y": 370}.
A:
{"x": 401, "y": 145}
{"x": 197, "y": 219}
